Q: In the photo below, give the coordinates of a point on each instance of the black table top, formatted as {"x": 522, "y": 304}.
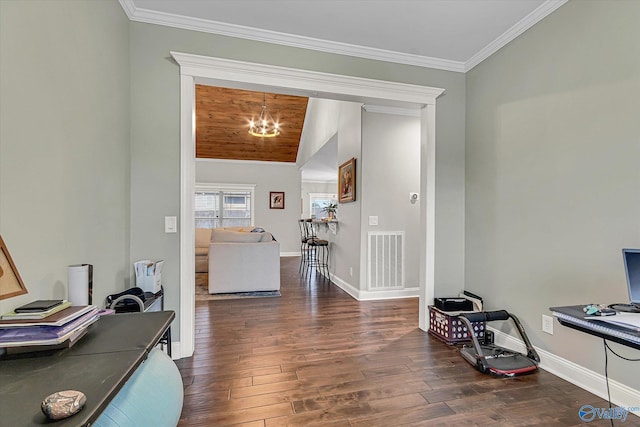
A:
{"x": 99, "y": 364}
{"x": 574, "y": 317}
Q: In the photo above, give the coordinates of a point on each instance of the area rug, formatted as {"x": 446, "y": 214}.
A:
{"x": 240, "y": 295}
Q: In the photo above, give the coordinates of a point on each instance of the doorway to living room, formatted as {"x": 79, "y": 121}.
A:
{"x": 196, "y": 69}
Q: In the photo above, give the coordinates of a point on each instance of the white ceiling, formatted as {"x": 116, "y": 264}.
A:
{"x": 452, "y": 35}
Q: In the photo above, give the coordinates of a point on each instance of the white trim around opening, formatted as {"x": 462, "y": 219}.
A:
{"x": 236, "y": 74}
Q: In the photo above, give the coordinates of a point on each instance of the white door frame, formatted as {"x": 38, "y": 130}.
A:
{"x": 196, "y": 69}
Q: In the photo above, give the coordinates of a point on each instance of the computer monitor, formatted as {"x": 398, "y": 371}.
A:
{"x": 632, "y": 269}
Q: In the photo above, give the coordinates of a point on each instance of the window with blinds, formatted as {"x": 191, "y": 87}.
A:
{"x": 223, "y": 206}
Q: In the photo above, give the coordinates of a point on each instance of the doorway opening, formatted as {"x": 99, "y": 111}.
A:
{"x": 195, "y": 69}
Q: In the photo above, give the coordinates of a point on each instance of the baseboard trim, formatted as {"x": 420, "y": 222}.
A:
{"x": 353, "y": 292}
{"x": 176, "y": 350}
{"x": 389, "y": 294}
{"x": 593, "y": 382}
{"x": 289, "y": 254}
{"x": 374, "y": 295}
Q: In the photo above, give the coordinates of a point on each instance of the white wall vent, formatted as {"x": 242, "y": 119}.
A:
{"x": 385, "y": 266}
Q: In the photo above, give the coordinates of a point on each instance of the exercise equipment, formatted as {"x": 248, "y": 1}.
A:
{"x": 487, "y": 357}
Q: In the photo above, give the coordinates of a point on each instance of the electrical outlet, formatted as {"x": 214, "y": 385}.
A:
{"x": 373, "y": 220}
{"x": 547, "y": 324}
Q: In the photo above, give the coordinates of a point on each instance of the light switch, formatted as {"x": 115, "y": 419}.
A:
{"x": 373, "y": 220}
{"x": 170, "y": 224}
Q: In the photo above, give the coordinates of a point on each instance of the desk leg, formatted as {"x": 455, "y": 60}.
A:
{"x": 166, "y": 339}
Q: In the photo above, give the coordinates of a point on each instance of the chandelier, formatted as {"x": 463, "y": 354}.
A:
{"x": 265, "y": 126}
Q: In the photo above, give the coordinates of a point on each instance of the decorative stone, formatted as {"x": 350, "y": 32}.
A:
{"x": 63, "y": 404}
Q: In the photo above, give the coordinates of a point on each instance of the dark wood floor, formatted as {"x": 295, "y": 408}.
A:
{"x": 317, "y": 357}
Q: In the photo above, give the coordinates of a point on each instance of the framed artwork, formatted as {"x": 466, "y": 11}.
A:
{"x": 276, "y": 200}
{"x": 11, "y": 284}
{"x": 347, "y": 181}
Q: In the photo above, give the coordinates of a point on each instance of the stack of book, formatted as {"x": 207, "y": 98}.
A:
{"x": 45, "y": 323}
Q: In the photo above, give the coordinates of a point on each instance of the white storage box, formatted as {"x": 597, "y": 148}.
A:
{"x": 149, "y": 275}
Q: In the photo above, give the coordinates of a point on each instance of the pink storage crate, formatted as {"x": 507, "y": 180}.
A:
{"x": 448, "y": 328}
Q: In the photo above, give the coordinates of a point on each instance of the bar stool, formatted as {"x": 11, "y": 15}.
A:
{"x": 318, "y": 250}
{"x": 304, "y": 245}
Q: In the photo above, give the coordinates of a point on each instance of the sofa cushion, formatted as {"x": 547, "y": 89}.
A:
{"x": 202, "y": 251}
{"x": 218, "y": 236}
{"x": 203, "y": 237}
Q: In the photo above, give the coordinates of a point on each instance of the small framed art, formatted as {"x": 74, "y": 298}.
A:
{"x": 347, "y": 181}
{"x": 276, "y": 200}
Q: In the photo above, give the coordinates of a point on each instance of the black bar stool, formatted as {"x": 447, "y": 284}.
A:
{"x": 304, "y": 245}
{"x": 318, "y": 250}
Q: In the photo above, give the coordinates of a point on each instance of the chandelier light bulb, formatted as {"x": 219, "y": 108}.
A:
{"x": 265, "y": 126}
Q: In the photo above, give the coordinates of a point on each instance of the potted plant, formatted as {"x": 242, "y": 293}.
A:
{"x": 331, "y": 209}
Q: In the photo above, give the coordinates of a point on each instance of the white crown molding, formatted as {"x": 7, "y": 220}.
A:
{"x": 129, "y": 8}
{"x": 302, "y": 42}
{"x": 239, "y": 31}
{"x": 520, "y": 27}
{"x": 383, "y": 109}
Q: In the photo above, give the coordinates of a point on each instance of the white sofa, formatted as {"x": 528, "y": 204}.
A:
{"x": 203, "y": 239}
{"x": 243, "y": 262}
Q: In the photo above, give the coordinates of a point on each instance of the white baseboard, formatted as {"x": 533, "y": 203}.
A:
{"x": 353, "y": 292}
{"x": 374, "y": 295}
{"x": 176, "y": 350}
{"x": 593, "y": 382}
{"x": 289, "y": 254}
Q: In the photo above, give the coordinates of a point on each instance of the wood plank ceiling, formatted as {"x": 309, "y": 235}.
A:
{"x": 222, "y": 124}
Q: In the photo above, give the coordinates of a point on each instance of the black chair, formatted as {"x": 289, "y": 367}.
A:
{"x": 318, "y": 252}
{"x": 304, "y": 245}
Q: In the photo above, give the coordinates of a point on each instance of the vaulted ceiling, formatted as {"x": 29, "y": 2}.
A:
{"x": 222, "y": 124}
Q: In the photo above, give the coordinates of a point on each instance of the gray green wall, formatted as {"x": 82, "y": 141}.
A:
{"x": 64, "y": 144}
{"x": 391, "y": 170}
{"x": 90, "y": 127}
{"x": 267, "y": 177}
{"x": 155, "y": 125}
{"x": 552, "y": 178}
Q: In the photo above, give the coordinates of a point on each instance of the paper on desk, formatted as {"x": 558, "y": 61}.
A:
{"x": 626, "y": 320}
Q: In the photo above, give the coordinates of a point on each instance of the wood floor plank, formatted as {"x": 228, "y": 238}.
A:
{"x": 317, "y": 357}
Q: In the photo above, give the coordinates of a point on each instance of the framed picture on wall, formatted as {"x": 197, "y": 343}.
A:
{"x": 276, "y": 200}
{"x": 347, "y": 181}
{"x": 11, "y": 284}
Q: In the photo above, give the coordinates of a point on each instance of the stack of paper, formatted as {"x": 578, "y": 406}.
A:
{"x": 67, "y": 324}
